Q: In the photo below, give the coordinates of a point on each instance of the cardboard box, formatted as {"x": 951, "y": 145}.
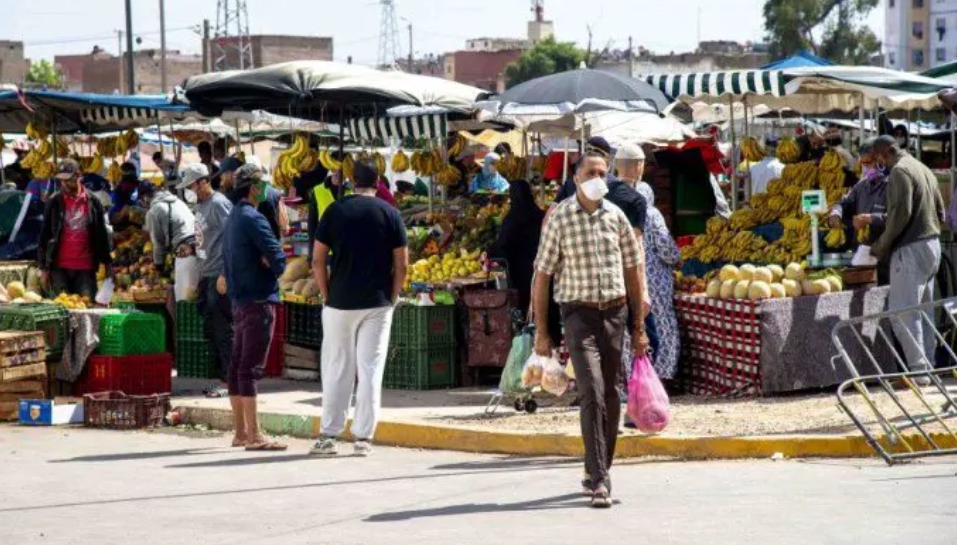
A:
{"x": 47, "y": 412}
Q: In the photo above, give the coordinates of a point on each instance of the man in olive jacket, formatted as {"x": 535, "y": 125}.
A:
{"x": 911, "y": 240}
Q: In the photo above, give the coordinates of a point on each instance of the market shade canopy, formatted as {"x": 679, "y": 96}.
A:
{"x": 577, "y": 92}
{"x": 323, "y": 90}
{"x": 83, "y": 112}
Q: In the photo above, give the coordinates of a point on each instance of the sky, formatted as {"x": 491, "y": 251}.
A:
{"x": 54, "y": 27}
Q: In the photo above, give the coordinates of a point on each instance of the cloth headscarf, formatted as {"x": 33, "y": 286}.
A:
{"x": 522, "y": 207}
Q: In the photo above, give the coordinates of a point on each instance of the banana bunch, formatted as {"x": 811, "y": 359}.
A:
{"x": 114, "y": 173}
{"x": 831, "y": 180}
{"x": 448, "y": 176}
{"x": 743, "y": 219}
{"x": 45, "y": 169}
{"x": 309, "y": 161}
{"x": 328, "y": 161}
{"x": 37, "y": 132}
{"x": 803, "y": 174}
{"x": 751, "y": 150}
{"x": 62, "y": 147}
{"x": 458, "y": 146}
{"x": 91, "y": 165}
{"x": 832, "y": 162}
{"x": 348, "y": 167}
{"x": 716, "y": 225}
{"x": 400, "y": 162}
{"x": 864, "y": 234}
{"x": 512, "y": 167}
{"x": 3, "y": 143}
{"x": 835, "y": 238}
{"x": 289, "y": 163}
{"x": 835, "y": 196}
{"x": 427, "y": 163}
{"x": 380, "y": 165}
{"x": 110, "y": 146}
{"x": 788, "y": 151}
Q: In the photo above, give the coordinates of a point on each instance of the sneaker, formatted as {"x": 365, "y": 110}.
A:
{"x": 588, "y": 489}
{"x": 601, "y": 499}
{"x": 363, "y": 447}
{"x": 325, "y": 446}
{"x": 922, "y": 381}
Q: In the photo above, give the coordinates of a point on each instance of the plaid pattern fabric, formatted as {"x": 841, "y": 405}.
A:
{"x": 588, "y": 253}
{"x": 720, "y": 346}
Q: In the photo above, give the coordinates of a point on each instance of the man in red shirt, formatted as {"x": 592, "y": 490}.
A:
{"x": 74, "y": 240}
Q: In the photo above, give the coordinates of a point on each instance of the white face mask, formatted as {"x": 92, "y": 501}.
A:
{"x": 190, "y": 196}
{"x": 594, "y": 189}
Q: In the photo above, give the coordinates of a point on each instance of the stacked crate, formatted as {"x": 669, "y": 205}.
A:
{"x": 131, "y": 357}
{"x": 23, "y": 370}
{"x": 303, "y": 340}
{"x": 193, "y": 359}
{"x": 422, "y": 353}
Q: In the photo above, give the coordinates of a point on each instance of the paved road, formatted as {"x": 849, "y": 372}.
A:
{"x": 82, "y": 486}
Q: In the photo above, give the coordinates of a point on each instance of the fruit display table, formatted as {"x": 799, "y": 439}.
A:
{"x": 741, "y": 348}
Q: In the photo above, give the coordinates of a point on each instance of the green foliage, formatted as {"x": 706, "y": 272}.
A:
{"x": 44, "y": 73}
{"x": 547, "y": 57}
{"x": 832, "y": 29}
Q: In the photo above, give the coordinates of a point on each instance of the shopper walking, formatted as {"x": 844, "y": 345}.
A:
{"x": 911, "y": 240}
{"x": 369, "y": 255}
{"x": 591, "y": 243}
{"x": 212, "y": 211}
{"x": 253, "y": 261}
{"x": 74, "y": 240}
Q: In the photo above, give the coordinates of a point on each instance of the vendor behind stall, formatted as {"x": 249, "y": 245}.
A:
{"x": 489, "y": 179}
{"x": 171, "y": 225}
{"x": 125, "y": 198}
{"x": 865, "y": 205}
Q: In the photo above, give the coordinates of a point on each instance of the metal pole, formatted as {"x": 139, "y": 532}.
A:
{"x": 734, "y": 164}
{"x": 953, "y": 153}
{"x": 119, "y": 59}
{"x": 919, "y": 140}
{"x": 861, "y": 112}
{"x": 130, "y": 77}
{"x": 410, "y": 48}
{"x": 163, "y": 44}
{"x": 631, "y": 61}
{"x": 206, "y": 67}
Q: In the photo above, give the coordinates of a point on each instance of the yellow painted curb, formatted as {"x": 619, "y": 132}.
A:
{"x": 409, "y": 435}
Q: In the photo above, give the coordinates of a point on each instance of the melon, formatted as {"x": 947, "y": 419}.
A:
{"x": 296, "y": 269}
{"x": 778, "y": 291}
{"x": 714, "y": 289}
{"x": 791, "y": 287}
{"x": 728, "y": 272}
{"x": 741, "y": 289}
{"x": 836, "y": 283}
{"x": 311, "y": 289}
{"x": 18, "y": 301}
{"x": 298, "y": 286}
{"x": 746, "y": 272}
{"x": 794, "y": 271}
{"x": 16, "y": 290}
{"x": 34, "y": 280}
{"x": 32, "y": 297}
{"x": 808, "y": 288}
{"x": 777, "y": 273}
{"x": 822, "y": 286}
{"x": 763, "y": 274}
{"x": 759, "y": 290}
{"x": 727, "y": 289}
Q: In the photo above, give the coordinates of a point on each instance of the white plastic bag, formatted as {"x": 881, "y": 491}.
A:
{"x": 554, "y": 380}
{"x": 533, "y": 371}
{"x": 104, "y": 295}
{"x": 187, "y": 278}
{"x": 863, "y": 257}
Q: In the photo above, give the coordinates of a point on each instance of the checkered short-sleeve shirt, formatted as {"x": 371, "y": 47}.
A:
{"x": 587, "y": 252}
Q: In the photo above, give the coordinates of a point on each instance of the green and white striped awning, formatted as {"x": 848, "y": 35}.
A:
{"x": 368, "y": 129}
{"x": 719, "y": 84}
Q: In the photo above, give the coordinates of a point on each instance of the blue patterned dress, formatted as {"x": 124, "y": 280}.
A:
{"x": 661, "y": 256}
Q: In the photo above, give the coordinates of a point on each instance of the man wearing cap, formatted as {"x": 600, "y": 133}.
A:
{"x": 223, "y": 178}
{"x": 125, "y": 196}
{"x": 212, "y": 210}
{"x": 767, "y": 169}
{"x": 253, "y": 261}
{"x": 489, "y": 179}
{"x": 74, "y": 240}
{"x": 271, "y": 207}
{"x": 369, "y": 255}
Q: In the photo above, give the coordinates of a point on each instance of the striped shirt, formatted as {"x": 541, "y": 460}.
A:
{"x": 587, "y": 252}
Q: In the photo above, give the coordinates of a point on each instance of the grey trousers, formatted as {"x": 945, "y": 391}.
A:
{"x": 913, "y": 270}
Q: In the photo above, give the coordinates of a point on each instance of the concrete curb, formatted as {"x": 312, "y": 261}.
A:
{"x": 408, "y": 435}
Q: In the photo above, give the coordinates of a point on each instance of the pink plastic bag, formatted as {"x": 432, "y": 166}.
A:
{"x": 648, "y": 405}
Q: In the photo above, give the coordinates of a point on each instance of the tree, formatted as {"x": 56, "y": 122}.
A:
{"x": 832, "y": 29}
{"x": 547, "y": 57}
{"x": 44, "y": 73}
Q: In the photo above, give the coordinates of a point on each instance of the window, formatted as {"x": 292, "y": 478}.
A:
{"x": 918, "y": 30}
{"x": 940, "y": 54}
{"x": 891, "y": 3}
{"x": 918, "y": 4}
{"x": 918, "y": 57}
{"x": 892, "y": 58}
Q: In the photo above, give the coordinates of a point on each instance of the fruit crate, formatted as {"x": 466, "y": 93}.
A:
{"x": 132, "y": 334}
{"x": 276, "y": 359}
{"x": 420, "y": 368}
{"x": 132, "y": 375}
{"x": 119, "y": 411}
{"x": 189, "y": 322}
{"x": 193, "y": 360}
{"x": 423, "y": 326}
{"x": 304, "y": 325}
{"x": 52, "y": 320}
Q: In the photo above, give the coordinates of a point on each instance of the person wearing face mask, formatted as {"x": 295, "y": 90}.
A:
{"x": 74, "y": 241}
{"x": 591, "y": 243}
{"x": 489, "y": 180}
{"x": 211, "y": 212}
{"x": 865, "y": 204}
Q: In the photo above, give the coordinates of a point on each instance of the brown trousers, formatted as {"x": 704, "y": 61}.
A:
{"x": 594, "y": 340}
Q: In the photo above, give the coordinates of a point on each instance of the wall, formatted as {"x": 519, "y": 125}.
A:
{"x": 271, "y": 49}
{"x": 496, "y": 44}
{"x": 685, "y": 63}
{"x": 13, "y": 65}
{"x": 917, "y": 33}
{"x": 484, "y": 70}
{"x": 895, "y": 35}
{"x": 943, "y": 46}
{"x": 102, "y": 75}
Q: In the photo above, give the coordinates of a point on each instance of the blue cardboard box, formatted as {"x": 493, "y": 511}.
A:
{"x": 51, "y": 412}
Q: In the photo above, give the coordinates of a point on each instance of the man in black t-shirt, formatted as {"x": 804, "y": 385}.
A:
{"x": 370, "y": 258}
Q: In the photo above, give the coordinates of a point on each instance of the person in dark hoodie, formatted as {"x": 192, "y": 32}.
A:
{"x": 171, "y": 225}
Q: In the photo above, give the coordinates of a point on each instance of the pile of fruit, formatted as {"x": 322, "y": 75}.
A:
{"x": 771, "y": 282}
{"x": 732, "y": 241}
{"x": 133, "y": 267}
{"x": 434, "y": 269}
{"x": 297, "y": 284}
{"x": 16, "y": 293}
{"x": 73, "y": 302}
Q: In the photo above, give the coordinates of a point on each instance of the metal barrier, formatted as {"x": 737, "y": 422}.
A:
{"x": 914, "y": 398}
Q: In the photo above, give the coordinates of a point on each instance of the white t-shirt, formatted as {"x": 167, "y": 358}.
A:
{"x": 763, "y": 172}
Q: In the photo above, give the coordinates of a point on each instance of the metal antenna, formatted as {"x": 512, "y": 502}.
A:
{"x": 232, "y": 48}
{"x": 388, "y": 35}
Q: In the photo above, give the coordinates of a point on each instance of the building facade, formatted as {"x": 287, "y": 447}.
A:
{"x": 107, "y": 74}
{"x": 919, "y": 34}
{"x": 13, "y": 65}
{"x": 943, "y": 32}
{"x": 272, "y": 49}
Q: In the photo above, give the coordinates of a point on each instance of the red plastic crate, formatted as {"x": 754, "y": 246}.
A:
{"x": 276, "y": 359}
{"x": 132, "y": 375}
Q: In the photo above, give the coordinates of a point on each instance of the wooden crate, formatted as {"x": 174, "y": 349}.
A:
{"x": 16, "y": 342}
{"x": 20, "y": 372}
{"x": 298, "y": 357}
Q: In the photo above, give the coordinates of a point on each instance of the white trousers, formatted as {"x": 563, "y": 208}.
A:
{"x": 354, "y": 343}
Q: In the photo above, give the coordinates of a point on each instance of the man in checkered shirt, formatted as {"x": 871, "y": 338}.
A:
{"x": 589, "y": 246}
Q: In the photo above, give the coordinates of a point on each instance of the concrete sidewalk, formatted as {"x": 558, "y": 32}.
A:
{"x": 701, "y": 428}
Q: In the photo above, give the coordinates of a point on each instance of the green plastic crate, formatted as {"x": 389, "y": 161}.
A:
{"x": 123, "y": 304}
{"x": 423, "y": 326}
{"x": 304, "y": 325}
{"x": 132, "y": 334}
{"x": 420, "y": 368}
{"x": 189, "y": 323}
{"x": 52, "y": 320}
{"x": 193, "y": 360}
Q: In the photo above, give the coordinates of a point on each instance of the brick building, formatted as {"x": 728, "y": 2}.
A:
{"x": 482, "y": 69}
{"x": 13, "y": 65}
{"x": 106, "y": 74}
{"x": 71, "y": 67}
{"x": 270, "y": 49}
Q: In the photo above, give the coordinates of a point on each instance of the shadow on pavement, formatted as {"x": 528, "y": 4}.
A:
{"x": 510, "y": 462}
{"x": 556, "y": 502}
{"x": 141, "y": 455}
{"x": 261, "y": 460}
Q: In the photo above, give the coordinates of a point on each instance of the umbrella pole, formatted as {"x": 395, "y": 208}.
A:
{"x": 953, "y": 153}
{"x": 734, "y": 163}
{"x": 919, "y": 146}
{"x": 565, "y": 164}
{"x": 342, "y": 154}
{"x": 860, "y": 122}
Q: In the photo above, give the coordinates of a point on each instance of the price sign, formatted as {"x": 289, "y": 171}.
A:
{"x": 814, "y": 202}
